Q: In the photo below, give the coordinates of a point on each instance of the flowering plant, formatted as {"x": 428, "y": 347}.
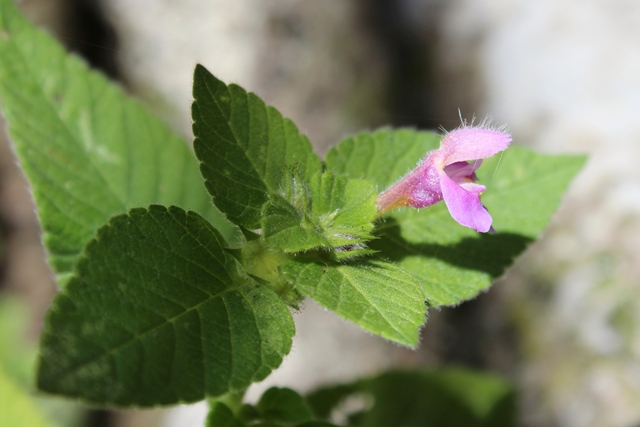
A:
{"x": 177, "y": 273}
{"x": 446, "y": 174}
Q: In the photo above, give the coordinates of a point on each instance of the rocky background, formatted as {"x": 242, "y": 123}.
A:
{"x": 564, "y": 75}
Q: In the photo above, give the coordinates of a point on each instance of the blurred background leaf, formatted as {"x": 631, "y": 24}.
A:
{"x": 88, "y": 151}
{"x": 448, "y": 397}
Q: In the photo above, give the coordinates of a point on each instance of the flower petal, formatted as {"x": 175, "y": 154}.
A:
{"x": 472, "y": 187}
{"x": 472, "y": 143}
{"x": 462, "y": 171}
{"x": 464, "y": 204}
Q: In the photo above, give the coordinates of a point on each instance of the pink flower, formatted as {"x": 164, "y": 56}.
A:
{"x": 448, "y": 174}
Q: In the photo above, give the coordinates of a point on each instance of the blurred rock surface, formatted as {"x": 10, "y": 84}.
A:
{"x": 564, "y": 76}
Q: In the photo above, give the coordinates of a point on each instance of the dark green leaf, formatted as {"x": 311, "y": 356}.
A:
{"x": 442, "y": 398}
{"x": 316, "y": 424}
{"x": 89, "y": 152}
{"x": 324, "y": 400}
{"x": 221, "y": 416}
{"x": 446, "y": 398}
{"x": 378, "y": 296}
{"x": 246, "y": 148}
{"x": 452, "y": 262}
{"x": 159, "y": 313}
{"x": 283, "y": 406}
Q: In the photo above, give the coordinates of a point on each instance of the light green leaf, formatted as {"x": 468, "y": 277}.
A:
{"x": 18, "y": 354}
{"x": 286, "y": 228}
{"x": 89, "y": 152}
{"x": 376, "y": 295}
{"x": 382, "y": 156}
{"x": 442, "y": 398}
{"x": 246, "y": 149}
{"x": 159, "y": 313}
{"x": 333, "y": 212}
{"x": 343, "y": 208}
{"x": 452, "y": 262}
{"x": 17, "y": 409}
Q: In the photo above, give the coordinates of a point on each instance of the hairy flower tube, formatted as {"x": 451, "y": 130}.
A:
{"x": 448, "y": 174}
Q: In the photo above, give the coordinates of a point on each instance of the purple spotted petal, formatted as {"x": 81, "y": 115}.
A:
{"x": 469, "y": 143}
{"x": 463, "y": 202}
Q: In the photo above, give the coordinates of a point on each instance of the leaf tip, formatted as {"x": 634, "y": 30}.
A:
{"x": 200, "y": 69}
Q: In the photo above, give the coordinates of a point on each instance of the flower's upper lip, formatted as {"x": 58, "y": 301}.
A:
{"x": 471, "y": 143}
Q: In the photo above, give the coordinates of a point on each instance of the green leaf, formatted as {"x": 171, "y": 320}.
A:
{"x": 442, "y": 398}
{"x": 283, "y": 406}
{"x": 382, "y": 156}
{"x": 17, "y": 409}
{"x": 159, "y": 313}
{"x": 316, "y": 424}
{"x": 324, "y": 400}
{"x": 18, "y": 352}
{"x": 18, "y": 355}
{"x": 286, "y": 228}
{"x": 221, "y": 416}
{"x": 446, "y": 398}
{"x": 378, "y": 296}
{"x": 343, "y": 208}
{"x": 333, "y": 212}
{"x": 89, "y": 151}
{"x": 246, "y": 149}
{"x": 452, "y": 262}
